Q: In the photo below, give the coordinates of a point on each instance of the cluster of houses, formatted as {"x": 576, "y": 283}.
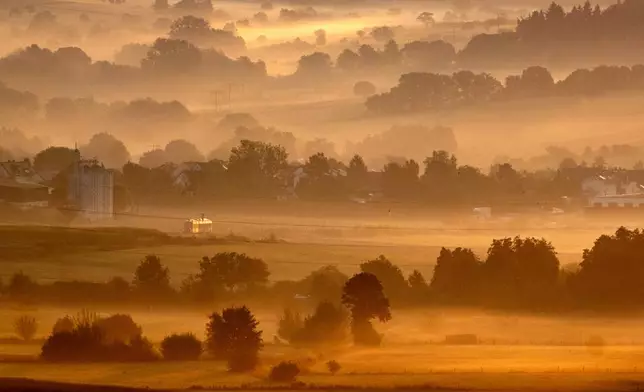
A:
{"x": 614, "y": 191}
{"x": 87, "y": 187}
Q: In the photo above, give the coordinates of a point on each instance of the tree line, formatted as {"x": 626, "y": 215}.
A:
{"x": 521, "y": 274}
{"x": 432, "y": 92}
{"x": 264, "y": 170}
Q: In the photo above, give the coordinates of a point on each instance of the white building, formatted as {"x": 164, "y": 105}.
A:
{"x": 91, "y": 190}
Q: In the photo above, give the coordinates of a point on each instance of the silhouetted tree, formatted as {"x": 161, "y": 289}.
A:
{"x": 284, "y": 372}
{"x": 106, "y": 149}
{"x": 180, "y": 151}
{"x": 172, "y": 56}
{"x": 364, "y": 296}
{"x": 390, "y": 276}
{"x": 289, "y": 325}
{"x": 181, "y": 347}
{"x": 521, "y": 272}
{"x": 55, "y": 159}
{"x": 227, "y": 274}
{"x": 364, "y": 88}
{"x": 382, "y": 33}
{"x": 327, "y": 325}
{"x": 325, "y": 284}
{"x": 254, "y": 167}
{"x": 610, "y": 274}
{"x": 457, "y": 277}
{"x": 314, "y": 65}
{"x": 426, "y": 18}
{"x": 118, "y": 328}
{"x": 152, "y": 278}
{"x": 233, "y": 336}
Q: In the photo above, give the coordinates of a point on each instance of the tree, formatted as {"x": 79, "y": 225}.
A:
{"x": 610, "y": 274}
{"x": 533, "y": 82}
{"x": 314, "y": 65}
{"x": 357, "y": 173}
{"x": 107, "y": 149}
{"x": 160, "y": 5}
{"x": 325, "y": 284}
{"x": 65, "y": 324}
{"x": 327, "y": 325}
{"x": 152, "y": 278}
{"x": 254, "y": 167}
{"x": 389, "y": 275}
{"x": 382, "y": 33}
{"x": 192, "y": 29}
{"x": 521, "y": 272}
{"x": 284, "y": 372}
{"x": 26, "y": 327}
{"x": 118, "y": 328}
{"x": 400, "y": 180}
{"x": 348, "y": 60}
{"x": 55, "y": 159}
{"x": 180, "y": 151}
{"x": 172, "y": 56}
{"x": 418, "y": 287}
{"x": 233, "y": 336}
{"x": 154, "y": 158}
{"x": 364, "y": 296}
{"x": 181, "y": 347}
{"x": 320, "y": 37}
{"x": 424, "y": 55}
{"x": 457, "y": 277}
{"x": 333, "y": 366}
{"x": 290, "y": 323}
{"x": 426, "y": 18}
{"x": 364, "y": 88}
{"x": 227, "y": 274}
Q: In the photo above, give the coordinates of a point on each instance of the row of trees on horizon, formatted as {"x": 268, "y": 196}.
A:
{"x": 522, "y": 274}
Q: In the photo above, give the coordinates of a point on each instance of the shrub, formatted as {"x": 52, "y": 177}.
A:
{"x": 326, "y": 326}
{"x": 364, "y": 89}
{"x": 289, "y": 325}
{"x": 26, "y": 327}
{"x": 333, "y": 366}
{"x": 181, "y": 347}
{"x": 284, "y": 372}
{"x": 118, "y": 328}
{"x": 65, "y": 324}
{"x": 86, "y": 341}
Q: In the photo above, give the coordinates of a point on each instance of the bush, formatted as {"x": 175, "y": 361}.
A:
{"x": 87, "y": 342}
{"x": 181, "y": 347}
{"x": 65, "y": 324}
{"x": 284, "y": 372}
{"x": 26, "y": 327}
{"x": 333, "y": 366}
{"x": 118, "y": 328}
{"x": 364, "y": 89}
{"x": 289, "y": 325}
